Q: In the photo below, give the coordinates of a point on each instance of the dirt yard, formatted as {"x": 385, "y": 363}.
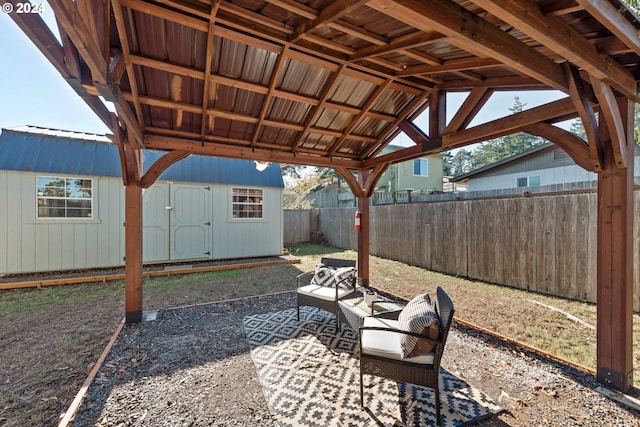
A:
{"x": 51, "y": 337}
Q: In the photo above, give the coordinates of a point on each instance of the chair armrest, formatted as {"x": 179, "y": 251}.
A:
{"x": 304, "y": 278}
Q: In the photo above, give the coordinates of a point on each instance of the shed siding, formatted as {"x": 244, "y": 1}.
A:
{"x": 32, "y": 244}
{"x": 246, "y": 238}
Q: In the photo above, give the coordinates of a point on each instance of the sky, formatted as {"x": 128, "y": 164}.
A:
{"x": 33, "y": 93}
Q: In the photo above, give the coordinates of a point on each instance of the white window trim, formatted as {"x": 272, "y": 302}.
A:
{"x": 528, "y": 177}
{"x": 413, "y": 169}
{"x": 231, "y": 217}
{"x": 92, "y": 219}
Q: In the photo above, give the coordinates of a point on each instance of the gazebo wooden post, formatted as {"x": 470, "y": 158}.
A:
{"x": 363, "y": 234}
{"x": 133, "y": 252}
{"x": 615, "y": 260}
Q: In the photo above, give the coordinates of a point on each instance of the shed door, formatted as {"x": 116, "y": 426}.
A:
{"x": 190, "y": 222}
{"x": 155, "y": 220}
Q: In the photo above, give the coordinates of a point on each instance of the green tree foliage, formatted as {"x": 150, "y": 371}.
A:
{"x": 493, "y": 150}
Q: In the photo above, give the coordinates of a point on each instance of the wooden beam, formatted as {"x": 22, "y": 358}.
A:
{"x": 583, "y": 105}
{"x": 160, "y": 165}
{"x": 413, "y": 132}
{"x": 574, "y": 146}
{"x": 236, "y": 152}
{"x": 610, "y": 113}
{"x": 509, "y": 124}
{"x": 437, "y": 113}
{"x": 474, "y": 34}
{"x": 133, "y": 252}
{"x": 452, "y": 65}
{"x": 364, "y": 233}
{"x": 561, "y": 38}
{"x": 471, "y": 106}
{"x": 404, "y": 42}
{"x": 124, "y": 44}
{"x": 615, "y": 262}
{"x": 207, "y": 67}
{"x": 332, "y": 12}
{"x": 609, "y": 16}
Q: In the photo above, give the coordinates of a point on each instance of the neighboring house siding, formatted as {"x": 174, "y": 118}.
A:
{"x": 552, "y": 164}
{"x": 559, "y": 175}
{"x": 400, "y": 176}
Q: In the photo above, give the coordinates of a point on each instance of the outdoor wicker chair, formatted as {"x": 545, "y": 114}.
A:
{"x": 326, "y": 297}
{"x": 381, "y": 355}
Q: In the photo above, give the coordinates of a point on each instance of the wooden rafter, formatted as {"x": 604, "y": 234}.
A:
{"x": 126, "y": 53}
{"x": 332, "y": 12}
{"x": 471, "y": 106}
{"x": 69, "y": 18}
{"x": 326, "y": 91}
{"x": 606, "y": 13}
{"x": 207, "y": 67}
{"x": 272, "y": 87}
{"x": 346, "y": 133}
{"x": 474, "y": 34}
{"x": 418, "y": 105}
{"x": 564, "y": 40}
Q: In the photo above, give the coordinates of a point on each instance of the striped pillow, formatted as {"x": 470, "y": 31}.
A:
{"x": 329, "y": 276}
{"x": 418, "y": 316}
{"x": 324, "y": 276}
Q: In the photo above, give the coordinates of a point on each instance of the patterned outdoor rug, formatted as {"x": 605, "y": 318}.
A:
{"x": 310, "y": 377}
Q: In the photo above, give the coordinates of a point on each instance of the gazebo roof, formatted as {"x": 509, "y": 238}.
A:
{"x": 330, "y": 83}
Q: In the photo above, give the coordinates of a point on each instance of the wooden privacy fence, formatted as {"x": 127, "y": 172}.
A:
{"x": 296, "y": 226}
{"x": 543, "y": 243}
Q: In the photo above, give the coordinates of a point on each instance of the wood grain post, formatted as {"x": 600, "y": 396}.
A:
{"x": 615, "y": 262}
{"x": 363, "y": 234}
{"x": 133, "y": 252}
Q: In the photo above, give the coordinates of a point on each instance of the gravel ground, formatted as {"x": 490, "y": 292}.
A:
{"x": 192, "y": 367}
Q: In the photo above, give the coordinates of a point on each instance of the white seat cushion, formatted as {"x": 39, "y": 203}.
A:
{"x": 324, "y": 292}
{"x": 386, "y": 343}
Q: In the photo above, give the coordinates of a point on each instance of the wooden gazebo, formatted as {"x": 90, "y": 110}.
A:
{"x": 330, "y": 83}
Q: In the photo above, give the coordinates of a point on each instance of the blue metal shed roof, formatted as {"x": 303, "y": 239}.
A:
{"x": 32, "y": 149}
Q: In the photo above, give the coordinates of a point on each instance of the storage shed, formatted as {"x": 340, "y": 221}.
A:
{"x": 62, "y": 205}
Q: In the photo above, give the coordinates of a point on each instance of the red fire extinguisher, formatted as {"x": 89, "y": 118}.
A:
{"x": 358, "y": 215}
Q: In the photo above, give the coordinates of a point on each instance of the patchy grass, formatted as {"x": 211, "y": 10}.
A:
{"x": 51, "y": 336}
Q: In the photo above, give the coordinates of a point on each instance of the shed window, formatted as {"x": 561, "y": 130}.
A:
{"x": 64, "y": 197}
{"x": 247, "y": 202}
{"x": 421, "y": 167}
{"x": 529, "y": 181}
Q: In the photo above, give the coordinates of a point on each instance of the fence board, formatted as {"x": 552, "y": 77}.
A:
{"x": 544, "y": 243}
{"x": 297, "y": 226}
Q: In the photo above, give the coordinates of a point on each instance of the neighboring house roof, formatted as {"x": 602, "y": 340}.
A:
{"x": 479, "y": 171}
{"x": 516, "y": 158}
{"x": 32, "y": 149}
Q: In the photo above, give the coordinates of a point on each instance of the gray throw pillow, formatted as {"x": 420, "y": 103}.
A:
{"x": 418, "y": 316}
